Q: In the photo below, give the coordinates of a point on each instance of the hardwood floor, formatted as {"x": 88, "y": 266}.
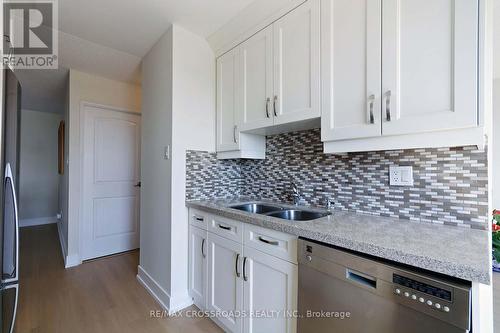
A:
{"x": 101, "y": 296}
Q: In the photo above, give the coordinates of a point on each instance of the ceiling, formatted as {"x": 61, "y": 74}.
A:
{"x": 109, "y": 38}
{"x": 134, "y": 26}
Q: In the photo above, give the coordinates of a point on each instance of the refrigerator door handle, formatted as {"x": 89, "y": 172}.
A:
{"x": 10, "y": 328}
{"x": 10, "y": 179}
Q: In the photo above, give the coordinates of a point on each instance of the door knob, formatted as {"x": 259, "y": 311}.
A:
{"x": 138, "y": 184}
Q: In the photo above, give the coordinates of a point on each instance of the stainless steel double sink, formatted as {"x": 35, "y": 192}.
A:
{"x": 280, "y": 212}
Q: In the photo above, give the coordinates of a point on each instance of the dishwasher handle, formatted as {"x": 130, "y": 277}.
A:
{"x": 360, "y": 278}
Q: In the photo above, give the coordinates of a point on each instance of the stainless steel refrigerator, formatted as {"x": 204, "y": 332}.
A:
{"x": 9, "y": 228}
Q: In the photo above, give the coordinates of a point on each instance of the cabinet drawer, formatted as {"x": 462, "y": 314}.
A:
{"x": 227, "y": 228}
{"x": 198, "y": 218}
{"x": 272, "y": 242}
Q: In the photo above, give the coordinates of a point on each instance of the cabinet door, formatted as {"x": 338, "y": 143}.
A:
{"x": 271, "y": 285}
{"x": 198, "y": 266}
{"x": 297, "y": 64}
{"x": 227, "y": 101}
{"x": 225, "y": 284}
{"x": 351, "y": 68}
{"x": 429, "y": 65}
{"x": 256, "y": 63}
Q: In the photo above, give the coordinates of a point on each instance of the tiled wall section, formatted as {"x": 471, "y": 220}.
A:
{"x": 450, "y": 184}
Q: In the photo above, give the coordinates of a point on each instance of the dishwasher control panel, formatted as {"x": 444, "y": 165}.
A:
{"x": 422, "y": 287}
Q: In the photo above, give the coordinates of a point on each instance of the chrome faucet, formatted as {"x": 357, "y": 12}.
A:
{"x": 330, "y": 205}
{"x": 296, "y": 194}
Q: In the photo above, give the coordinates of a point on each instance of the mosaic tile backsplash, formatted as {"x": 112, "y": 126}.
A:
{"x": 450, "y": 184}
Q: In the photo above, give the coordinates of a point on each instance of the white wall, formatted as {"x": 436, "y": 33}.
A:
{"x": 155, "y": 170}
{"x": 178, "y": 109}
{"x": 95, "y": 89}
{"x": 39, "y": 179}
{"x": 193, "y": 128}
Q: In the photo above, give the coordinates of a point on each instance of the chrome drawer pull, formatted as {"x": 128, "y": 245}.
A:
{"x": 268, "y": 241}
{"x": 274, "y": 105}
{"x": 268, "y": 100}
{"x": 236, "y": 265}
{"x": 371, "y": 100}
{"x": 245, "y": 277}
{"x": 388, "y": 105}
{"x": 224, "y": 227}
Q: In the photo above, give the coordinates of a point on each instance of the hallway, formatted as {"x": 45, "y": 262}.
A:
{"x": 101, "y": 296}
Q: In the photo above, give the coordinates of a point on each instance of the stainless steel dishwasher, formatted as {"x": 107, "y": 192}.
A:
{"x": 341, "y": 291}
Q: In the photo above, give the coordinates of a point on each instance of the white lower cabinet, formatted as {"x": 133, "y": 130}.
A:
{"x": 225, "y": 282}
{"x": 198, "y": 266}
{"x": 270, "y": 293}
{"x": 248, "y": 288}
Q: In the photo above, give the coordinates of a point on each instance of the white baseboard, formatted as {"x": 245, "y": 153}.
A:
{"x": 37, "y": 221}
{"x": 160, "y": 295}
{"x": 72, "y": 261}
{"x": 69, "y": 261}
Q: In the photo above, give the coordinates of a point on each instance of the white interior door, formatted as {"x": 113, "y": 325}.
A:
{"x": 111, "y": 153}
{"x": 256, "y": 62}
{"x": 429, "y": 65}
{"x": 351, "y": 66}
{"x": 297, "y": 64}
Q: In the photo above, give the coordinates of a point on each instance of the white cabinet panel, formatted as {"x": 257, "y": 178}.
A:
{"x": 227, "y": 101}
{"x": 351, "y": 68}
{"x": 297, "y": 64}
{"x": 225, "y": 285}
{"x": 271, "y": 285}
{"x": 429, "y": 65}
{"x": 256, "y": 61}
{"x": 198, "y": 266}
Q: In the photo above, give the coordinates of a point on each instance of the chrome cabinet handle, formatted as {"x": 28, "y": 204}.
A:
{"x": 236, "y": 265}
{"x": 371, "y": 101}
{"x": 262, "y": 239}
{"x": 388, "y": 105}
{"x": 268, "y": 100}
{"x": 224, "y": 227}
{"x": 274, "y": 105}
{"x": 203, "y": 248}
{"x": 234, "y": 134}
{"x": 245, "y": 278}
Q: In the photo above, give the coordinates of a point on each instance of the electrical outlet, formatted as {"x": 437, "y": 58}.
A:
{"x": 401, "y": 175}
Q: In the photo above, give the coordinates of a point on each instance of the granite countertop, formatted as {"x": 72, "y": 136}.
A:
{"x": 453, "y": 251}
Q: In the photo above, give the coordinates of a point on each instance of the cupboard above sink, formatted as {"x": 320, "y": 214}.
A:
{"x": 371, "y": 74}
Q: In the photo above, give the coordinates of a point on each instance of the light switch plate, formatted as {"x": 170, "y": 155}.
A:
{"x": 401, "y": 175}
{"x": 166, "y": 154}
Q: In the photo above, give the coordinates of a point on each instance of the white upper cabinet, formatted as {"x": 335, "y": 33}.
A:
{"x": 227, "y": 101}
{"x": 256, "y": 66}
{"x": 297, "y": 64}
{"x": 429, "y": 75}
{"x": 270, "y": 79}
{"x": 399, "y": 74}
{"x": 351, "y": 68}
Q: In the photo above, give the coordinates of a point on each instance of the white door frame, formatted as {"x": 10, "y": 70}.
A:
{"x": 81, "y": 200}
